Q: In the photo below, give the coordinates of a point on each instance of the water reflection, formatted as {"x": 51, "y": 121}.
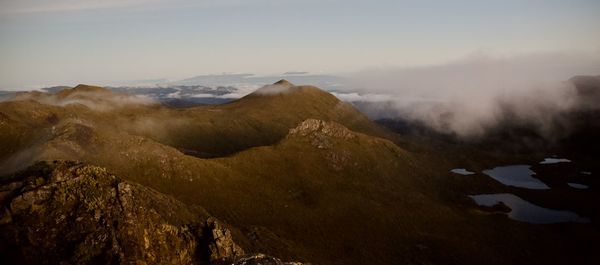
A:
{"x": 577, "y": 186}
{"x": 554, "y": 161}
{"x": 462, "y": 171}
{"x": 522, "y": 210}
{"x": 517, "y": 176}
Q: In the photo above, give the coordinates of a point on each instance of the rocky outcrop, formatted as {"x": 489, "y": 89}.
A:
{"x": 323, "y": 135}
{"x": 219, "y": 241}
{"x": 70, "y": 213}
{"x": 320, "y": 131}
{"x": 260, "y": 259}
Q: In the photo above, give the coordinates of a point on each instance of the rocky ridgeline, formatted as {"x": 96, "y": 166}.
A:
{"x": 70, "y": 213}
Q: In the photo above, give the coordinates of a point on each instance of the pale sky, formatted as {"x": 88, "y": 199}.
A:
{"x": 44, "y": 42}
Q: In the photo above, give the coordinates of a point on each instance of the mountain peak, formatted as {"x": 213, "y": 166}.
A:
{"x": 89, "y": 88}
{"x": 280, "y": 87}
{"x": 81, "y": 88}
{"x": 283, "y": 82}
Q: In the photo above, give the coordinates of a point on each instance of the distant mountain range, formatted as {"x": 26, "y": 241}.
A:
{"x": 206, "y": 89}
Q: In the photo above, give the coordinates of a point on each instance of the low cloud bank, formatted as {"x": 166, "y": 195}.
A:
{"x": 468, "y": 96}
{"x": 97, "y": 100}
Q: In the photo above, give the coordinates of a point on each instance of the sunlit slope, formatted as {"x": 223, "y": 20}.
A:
{"x": 313, "y": 169}
{"x": 261, "y": 118}
{"x": 319, "y": 173}
{"x": 26, "y": 124}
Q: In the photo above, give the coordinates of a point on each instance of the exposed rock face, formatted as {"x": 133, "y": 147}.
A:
{"x": 261, "y": 259}
{"x": 69, "y": 213}
{"x": 318, "y": 128}
{"x": 220, "y": 242}
{"x": 322, "y": 135}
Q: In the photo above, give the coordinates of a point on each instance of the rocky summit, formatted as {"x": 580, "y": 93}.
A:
{"x": 71, "y": 213}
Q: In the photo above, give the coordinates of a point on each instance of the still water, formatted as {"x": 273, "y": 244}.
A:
{"x": 462, "y": 171}
{"x": 517, "y": 176}
{"x": 524, "y": 211}
{"x": 554, "y": 161}
{"x": 577, "y": 186}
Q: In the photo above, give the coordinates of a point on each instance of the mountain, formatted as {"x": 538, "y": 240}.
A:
{"x": 66, "y": 212}
{"x": 203, "y": 89}
{"x": 97, "y": 98}
{"x": 290, "y": 170}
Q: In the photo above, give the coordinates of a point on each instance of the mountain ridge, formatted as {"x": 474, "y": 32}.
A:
{"x": 299, "y": 175}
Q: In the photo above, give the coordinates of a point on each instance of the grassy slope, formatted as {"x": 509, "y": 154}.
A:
{"x": 360, "y": 200}
{"x": 254, "y": 120}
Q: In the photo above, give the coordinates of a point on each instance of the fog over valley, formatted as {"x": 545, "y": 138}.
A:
{"x": 299, "y": 132}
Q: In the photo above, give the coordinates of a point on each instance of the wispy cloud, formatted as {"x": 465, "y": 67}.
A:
{"x": 50, "y": 6}
{"x": 38, "y": 6}
{"x": 468, "y": 95}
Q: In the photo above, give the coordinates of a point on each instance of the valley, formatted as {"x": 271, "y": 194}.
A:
{"x": 296, "y": 174}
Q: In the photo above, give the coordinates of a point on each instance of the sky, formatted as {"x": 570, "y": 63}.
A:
{"x": 66, "y": 42}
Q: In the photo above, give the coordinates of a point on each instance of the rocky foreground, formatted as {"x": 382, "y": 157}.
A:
{"x": 71, "y": 213}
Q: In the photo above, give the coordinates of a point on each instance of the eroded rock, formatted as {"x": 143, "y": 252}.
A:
{"x": 220, "y": 241}
{"x": 315, "y": 128}
{"x": 70, "y": 213}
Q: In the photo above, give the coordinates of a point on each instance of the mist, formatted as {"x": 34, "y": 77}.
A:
{"x": 272, "y": 90}
{"x": 467, "y": 97}
{"x": 95, "y": 100}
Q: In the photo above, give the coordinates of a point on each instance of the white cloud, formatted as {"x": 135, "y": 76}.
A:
{"x": 353, "y": 97}
{"x": 468, "y": 95}
{"x": 174, "y": 95}
{"x": 242, "y": 90}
